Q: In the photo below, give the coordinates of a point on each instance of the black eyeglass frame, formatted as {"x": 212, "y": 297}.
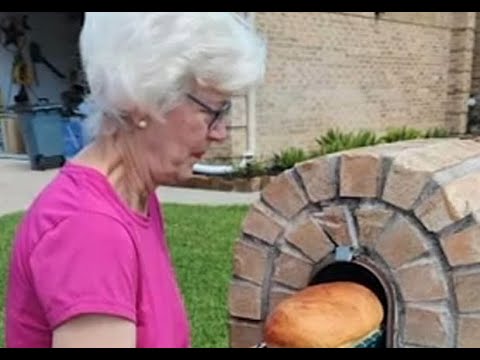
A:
{"x": 217, "y": 114}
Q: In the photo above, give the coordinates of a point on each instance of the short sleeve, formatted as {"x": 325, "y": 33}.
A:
{"x": 86, "y": 265}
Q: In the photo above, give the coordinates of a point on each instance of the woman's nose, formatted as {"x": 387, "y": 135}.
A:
{"x": 218, "y": 133}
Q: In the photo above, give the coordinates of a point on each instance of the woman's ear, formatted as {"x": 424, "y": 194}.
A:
{"x": 143, "y": 117}
{"x": 140, "y": 118}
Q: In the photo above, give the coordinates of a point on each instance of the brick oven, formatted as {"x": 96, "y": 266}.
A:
{"x": 402, "y": 219}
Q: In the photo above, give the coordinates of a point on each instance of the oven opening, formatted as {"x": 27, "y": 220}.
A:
{"x": 365, "y": 275}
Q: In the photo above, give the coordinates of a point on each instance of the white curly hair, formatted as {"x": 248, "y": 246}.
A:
{"x": 152, "y": 58}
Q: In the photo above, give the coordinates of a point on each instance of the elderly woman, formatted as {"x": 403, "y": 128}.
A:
{"x": 90, "y": 264}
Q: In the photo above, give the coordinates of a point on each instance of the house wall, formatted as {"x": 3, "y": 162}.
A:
{"x": 349, "y": 71}
{"x": 476, "y": 58}
{"x": 352, "y": 71}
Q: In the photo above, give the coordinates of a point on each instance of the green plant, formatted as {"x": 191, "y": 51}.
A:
{"x": 401, "y": 134}
{"x": 251, "y": 169}
{"x": 335, "y": 140}
{"x": 437, "y": 133}
{"x": 287, "y": 159}
{"x": 365, "y": 138}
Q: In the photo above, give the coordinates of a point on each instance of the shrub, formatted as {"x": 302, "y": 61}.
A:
{"x": 250, "y": 170}
{"x": 335, "y": 140}
{"x": 401, "y": 134}
{"x": 287, "y": 159}
{"x": 437, "y": 133}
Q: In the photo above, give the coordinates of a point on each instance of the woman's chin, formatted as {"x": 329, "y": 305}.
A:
{"x": 184, "y": 175}
{"x": 177, "y": 175}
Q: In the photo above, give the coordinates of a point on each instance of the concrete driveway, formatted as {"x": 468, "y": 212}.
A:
{"x": 19, "y": 186}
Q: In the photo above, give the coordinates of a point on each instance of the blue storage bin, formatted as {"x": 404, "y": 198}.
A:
{"x": 73, "y": 137}
{"x": 43, "y": 133}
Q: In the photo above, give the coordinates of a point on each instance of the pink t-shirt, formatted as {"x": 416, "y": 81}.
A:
{"x": 81, "y": 250}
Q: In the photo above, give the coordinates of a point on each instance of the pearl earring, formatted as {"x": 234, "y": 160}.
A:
{"x": 142, "y": 124}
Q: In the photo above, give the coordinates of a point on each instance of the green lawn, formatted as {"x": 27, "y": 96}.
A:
{"x": 201, "y": 239}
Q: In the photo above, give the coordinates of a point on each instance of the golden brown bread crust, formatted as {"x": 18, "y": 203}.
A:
{"x": 329, "y": 315}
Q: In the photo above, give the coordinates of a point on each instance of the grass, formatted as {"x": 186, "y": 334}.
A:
{"x": 201, "y": 239}
{"x": 7, "y": 228}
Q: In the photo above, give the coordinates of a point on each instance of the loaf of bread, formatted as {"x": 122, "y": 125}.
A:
{"x": 329, "y": 315}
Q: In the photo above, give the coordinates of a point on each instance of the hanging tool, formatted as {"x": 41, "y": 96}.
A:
{"x": 37, "y": 57}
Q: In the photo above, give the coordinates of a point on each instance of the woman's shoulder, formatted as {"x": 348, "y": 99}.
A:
{"x": 72, "y": 194}
{"x": 75, "y": 229}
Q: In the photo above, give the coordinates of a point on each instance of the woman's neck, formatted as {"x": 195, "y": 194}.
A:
{"x": 116, "y": 162}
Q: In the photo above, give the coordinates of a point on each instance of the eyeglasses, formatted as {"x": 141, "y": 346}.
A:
{"x": 217, "y": 115}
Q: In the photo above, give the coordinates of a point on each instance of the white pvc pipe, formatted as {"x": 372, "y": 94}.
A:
{"x": 213, "y": 169}
{"x": 251, "y": 115}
